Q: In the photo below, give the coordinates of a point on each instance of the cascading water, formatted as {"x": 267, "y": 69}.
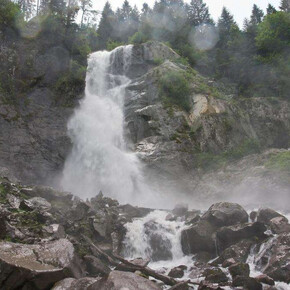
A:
{"x": 99, "y": 160}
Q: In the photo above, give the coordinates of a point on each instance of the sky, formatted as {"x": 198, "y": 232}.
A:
{"x": 240, "y": 9}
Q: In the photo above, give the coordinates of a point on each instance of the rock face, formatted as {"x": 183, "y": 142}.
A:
{"x": 123, "y": 280}
{"x": 37, "y": 266}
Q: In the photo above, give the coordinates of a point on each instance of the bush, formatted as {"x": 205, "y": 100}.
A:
{"x": 111, "y": 44}
{"x": 280, "y": 161}
{"x": 138, "y": 38}
{"x": 9, "y": 12}
{"x": 175, "y": 89}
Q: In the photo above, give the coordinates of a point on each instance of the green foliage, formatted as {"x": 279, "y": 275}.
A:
{"x": 138, "y": 38}
{"x": 111, "y": 44}
{"x": 175, "y": 88}
{"x": 274, "y": 33}
{"x": 211, "y": 161}
{"x": 279, "y": 162}
{"x": 9, "y": 12}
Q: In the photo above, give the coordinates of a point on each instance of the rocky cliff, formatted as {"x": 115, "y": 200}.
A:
{"x": 178, "y": 146}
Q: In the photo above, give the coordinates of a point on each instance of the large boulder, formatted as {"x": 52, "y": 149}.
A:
{"x": 118, "y": 280}
{"x": 198, "y": 238}
{"x": 279, "y": 225}
{"x": 227, "y": 236}
{"x": 225, "y": 214}
{"x": 37, "y": 266}
{"x": 264, "y": 215}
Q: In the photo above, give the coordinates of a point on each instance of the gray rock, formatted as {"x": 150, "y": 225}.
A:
{"x": 180, "y": 210}
{"x": 240, "y": 269}
{"x": 265, "y": 280}
{"x": 177, "y": 272}
{"x": 227, "y": 236}
{"x": 247, "y": 283}
{"x": 215, "y": 275}
{"x": 198, "y": 238}
{"x": 40, "y": 204}
{"x": 279, "y": 225}
{"x": 225, "y": 214}
{"x": 96, "y": 267}
{"x": 56, "y": 231}
{"x": 37, "y": 266}
{"x": 264, "y": 215}
{"x": 123, "y": 280}
{"x": 75, "y": 284}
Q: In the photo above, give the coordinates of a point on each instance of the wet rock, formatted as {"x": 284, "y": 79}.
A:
{"x": 177, "y": 272}
{"x": 75, "y": 284}
{"x": 240, "y": 269}
{"x": 205, "y": 285}
{"x": 229, "y": 262}
{"x": 170, "y": 217}
{"x": 3, "y": 217}
{"x": 264, "y": 215}
{"x": 277, "y": 258}
{"x": 239, "y": 252}
{"x": 80, "y": 211}
{"x": 253, "y": 216}
{"x": 279, "y": 225}
{"x": 247, "y": 283}
{"x": 180, "y": 286}
{"x": 96, "y": 267}
{"x": 215, "y": 275}
{"x": 159, "y": 244}
{"x": 124, "y": 280}
{"x": 37, "y": 266}
{"x": 265, "y": 279}
{"x": 180, "y": 210}
{"x": 198, "y": 238}
{"x": 13, "y": 232}
{"x": 228, "y": 236}
{"x": 192, "y": 218}
{"x": 56, "y": 231}
{"x": 225, "y": 214}
{"x": 26, "y": 205}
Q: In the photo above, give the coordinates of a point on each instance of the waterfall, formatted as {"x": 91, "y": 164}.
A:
{"x": 99, "y": 160}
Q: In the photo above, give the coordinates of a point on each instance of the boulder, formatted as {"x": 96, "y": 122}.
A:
{"x": 215, "y": 275}
{"x": 240, "y": 269}
{"x": 225, "y": 214}
{"x": 253, "y": 216}
{"x": 279, "y": 225}
{"x": 205, "y": 285}
{"x": 118, "y": 280}
{"x": 140, "y": 262}
{"x": 265, "y": 280}
{"x": 75, "y": 284}
{"x": 264, "y": 215}
{"x": 95, "y": 266}
{"x": 177, "y": 272}
{"x": 37, "y": 266}
{"x": 198, "y": 238}
{"x": 239, "y": 252}
{"x": 180, "y": 210}
{"x": 160, "y": 245}
{"x": 40, "y": 204}
{"x": 247, "y": 283}
{"x": 229, "y": 262}
{"x": 227, "y": 236}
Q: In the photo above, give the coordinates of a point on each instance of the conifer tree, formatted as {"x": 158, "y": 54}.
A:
{"x": 285, "y": 5}
{"x": 271, "y": 9}
{"x": 198, "y": 13}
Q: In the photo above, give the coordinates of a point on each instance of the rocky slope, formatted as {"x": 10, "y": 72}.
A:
{"x": 52, "y": 240}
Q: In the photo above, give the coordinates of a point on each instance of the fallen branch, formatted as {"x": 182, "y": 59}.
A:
{"x": 127, "y": 266}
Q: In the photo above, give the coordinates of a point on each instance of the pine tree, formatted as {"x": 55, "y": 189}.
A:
{"x": 271, "y": 9}
{"x": 198, "y": 13}
{"x": 285, "y": 5}
{"x": 257, "y": 15}
{"x": 225, "y": 22}
{"x": 106, "y": 25}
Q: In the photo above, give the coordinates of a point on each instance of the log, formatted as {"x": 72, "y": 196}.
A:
{"x": 127, "y": 266}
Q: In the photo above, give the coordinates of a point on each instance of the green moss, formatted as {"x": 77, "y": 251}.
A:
{"x": 3, "y": 194}
{"x": 279, "y": 162}
{"x": 175, "y": 89}
{"x": 211, "y": 161}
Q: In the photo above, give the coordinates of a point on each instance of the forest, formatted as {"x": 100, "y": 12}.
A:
{"x": 255, "y": 58}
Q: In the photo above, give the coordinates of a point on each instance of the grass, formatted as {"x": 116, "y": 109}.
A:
{"x": 279, "y": 162}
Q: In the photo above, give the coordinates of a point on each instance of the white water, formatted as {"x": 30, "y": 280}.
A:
{"x": 137, "y": 240}
{"x": 99, "y": 159}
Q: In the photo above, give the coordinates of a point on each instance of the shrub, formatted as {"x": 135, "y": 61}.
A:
{"x": 175, "y": 89}
{"x": 280, "y": 161}
{"x": 138, "y": 38}
{"x": 111, "y": 44}
{"x": 9, "y": 12}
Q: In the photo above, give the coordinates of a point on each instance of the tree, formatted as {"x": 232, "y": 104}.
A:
{"x": 271, "y": 9}
{"x": 285, "y": 5}
{"x": 257, "y": 15}
{"x": 225, "y": 22}
{"x": 198, "y": 13}
{"x": 106, "y": 25}
{"x": 87, "y": 11}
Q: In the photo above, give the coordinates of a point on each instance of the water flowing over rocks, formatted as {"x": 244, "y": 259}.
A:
{"x": 55, "y": 245}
